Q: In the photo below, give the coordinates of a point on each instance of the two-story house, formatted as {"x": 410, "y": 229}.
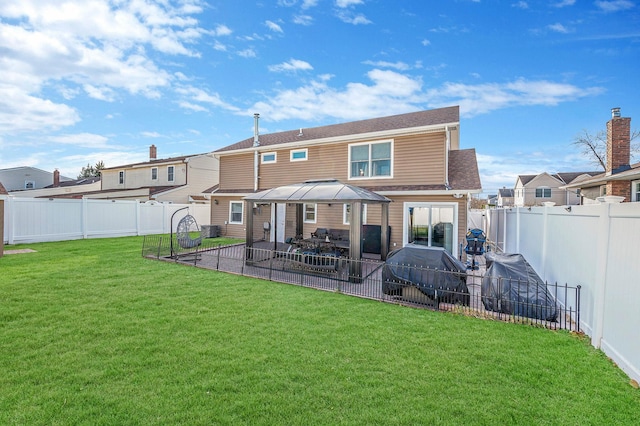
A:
{"x": 173, "y": 180}
{"x": 28, "y": 178}
{"x": 533, "y": 190}
{"x": 505, "y": 197}
{"x": 413, "y": 159}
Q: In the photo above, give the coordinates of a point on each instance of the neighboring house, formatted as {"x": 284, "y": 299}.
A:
{"x": 63, "y": 189}
{"x": 27, "y": 178}
{"x": 533, "y": 190}
{"x": 492, "y": 200}
{"x": 413, "y": 159}
{"x": 621, "y": 179}
{"x": 171, "y": 180}
{"x": 505, "y": 197}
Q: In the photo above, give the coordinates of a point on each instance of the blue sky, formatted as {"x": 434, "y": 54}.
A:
{"x": 84, "y": 81}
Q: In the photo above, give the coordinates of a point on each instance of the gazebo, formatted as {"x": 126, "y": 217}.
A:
{"x": 326, "y": 191}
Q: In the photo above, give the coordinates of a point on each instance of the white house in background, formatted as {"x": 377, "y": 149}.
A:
{"x": 533, "y": 190}
{"x": 170, "y": 180}
{"x": 505, "y": 197}
{"x": 27, "y": 178}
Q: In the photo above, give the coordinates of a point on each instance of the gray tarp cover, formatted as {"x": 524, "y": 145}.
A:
{"x": 407, "y": 266}
{"x": 512, "y": 286}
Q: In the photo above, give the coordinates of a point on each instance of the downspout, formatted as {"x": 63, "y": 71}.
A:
{"x": 256, "y": 144}
{"x": 446, "y": 157}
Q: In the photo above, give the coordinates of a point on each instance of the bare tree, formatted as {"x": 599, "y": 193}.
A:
{"x": 594, "y": 146}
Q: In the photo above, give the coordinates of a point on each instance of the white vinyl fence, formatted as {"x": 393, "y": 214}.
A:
{"x": 30, "y": 220}
{"x": 595, "y": 246}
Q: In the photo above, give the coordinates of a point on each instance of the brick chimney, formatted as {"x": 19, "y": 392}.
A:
{"x": 153, "y": 152}
{"x": 618, "y": 153}
{"x": 56, "y": 178}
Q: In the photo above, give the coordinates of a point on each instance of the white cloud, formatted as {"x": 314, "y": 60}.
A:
{"x": 221, "y": 30}
{"x": 351, "y": 18}
{"x": 292, "y": 65}
{"x": 85, "y": 140}
{"x": 307, "y": 4}
{"x": 483, "y": 98}
{"x": 247, "y": 53}
{"x": 192, "y": 95}
{"x": 391, "y": 92}
{"x": 273, "y": 26}
{"x": 96, "y": 45}
{"x": 521, "y": 5}
{"x": 348, "y": 3}
{"x": 425, "y": 42}
{"x": 565, "y": 3}
{"x": 615, "y": 5}
{"x": 558, "y": 28}
{"x": 151, "y": 134}
{"x": 400, "y": 66}
{"x": 303, "y": 20}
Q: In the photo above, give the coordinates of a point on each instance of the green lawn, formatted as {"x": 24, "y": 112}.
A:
{"x": 92, "y": 333}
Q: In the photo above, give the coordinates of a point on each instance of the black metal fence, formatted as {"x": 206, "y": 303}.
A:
{"x": 555, "y": 307}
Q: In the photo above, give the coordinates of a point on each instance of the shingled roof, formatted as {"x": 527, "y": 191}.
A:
{"x": 434, "y": 117}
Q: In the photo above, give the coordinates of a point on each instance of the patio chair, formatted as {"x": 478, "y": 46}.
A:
{"x": 185, "y": 230}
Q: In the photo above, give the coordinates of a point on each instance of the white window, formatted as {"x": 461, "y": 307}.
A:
{"x": 29, "y": 184}
{"x": 543, "y": 192}
{"x": 154, "y": 173}
{"x": 346, "y": 214}
{"x": 371, "y": 160}
{"x": 121, "y": 177}
{"x": 269, "y": 157}
{"x": 310, "y": 213}
{"x": 236, "y": 211}
{"x": 170, "y": 173}
{"x": 298, "y": 154}
{"x": 635, "y": 190}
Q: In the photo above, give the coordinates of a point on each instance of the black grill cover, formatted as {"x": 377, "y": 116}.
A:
{"x": 513, "y": 287}
{"x": 408, "y": 267}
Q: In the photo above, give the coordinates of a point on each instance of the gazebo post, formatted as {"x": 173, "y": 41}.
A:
{"x": 299, "y": 219}
{"x": 384, "y": 231}
{"x": 248, "y": 208}
{"x": 355, "y": 242}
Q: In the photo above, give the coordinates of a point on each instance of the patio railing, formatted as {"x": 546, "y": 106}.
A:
{"x": 556, "y": 308}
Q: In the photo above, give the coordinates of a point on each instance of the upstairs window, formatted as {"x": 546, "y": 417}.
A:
{"x": 543, "y": 192}
{"x": 635, "y": 191}
{"x": 170, "y": 173}
{"x": 29, "y": 184}
{"x": 154, "y": 173}
{"x": 269, "y": 157}
{"x": 121, "y": 177}
{"x": 298, "y": 155}
{"x": 370, "y": 160}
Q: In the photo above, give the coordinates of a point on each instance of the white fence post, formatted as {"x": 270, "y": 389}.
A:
{"x": 602, "y": 248}
{"x": 85, "y": 217}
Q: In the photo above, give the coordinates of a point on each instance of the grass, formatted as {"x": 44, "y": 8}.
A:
{"x": 92, "y": 333}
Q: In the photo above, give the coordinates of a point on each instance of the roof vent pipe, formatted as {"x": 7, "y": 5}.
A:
{"x": 256, "y": 141}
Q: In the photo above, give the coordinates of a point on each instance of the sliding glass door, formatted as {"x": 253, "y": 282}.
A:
{"x": 431, "y": 224}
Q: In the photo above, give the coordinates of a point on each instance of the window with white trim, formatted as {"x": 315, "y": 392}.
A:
{"x": 371, "y": 160}
{"x": 154, "y": 173}
{"x": 543, "y": 192}
{"x": 121, "y": 177}
{"x": 635, "y": 191}
{"x": 171, "y": 173}
{"x": 29, "y": 184}
{"x": 269, "y": 157}
{"x": 346, "y": 214}
{"x": 310, "y": 213}
{"x": 298, "y": 154}
{"x": 236, "y": 212}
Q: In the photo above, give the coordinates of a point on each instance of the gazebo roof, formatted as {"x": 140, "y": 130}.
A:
{"x": 317, "y": 191}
